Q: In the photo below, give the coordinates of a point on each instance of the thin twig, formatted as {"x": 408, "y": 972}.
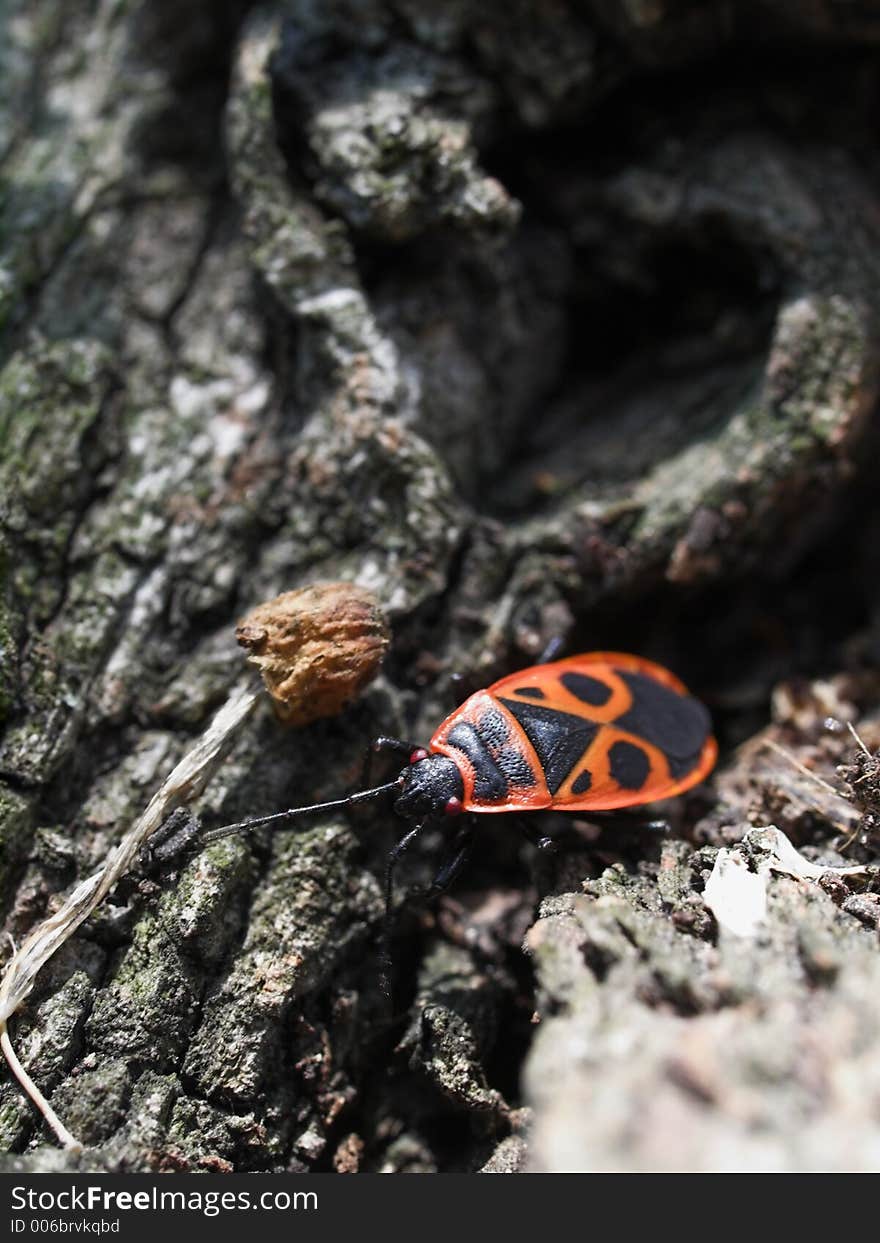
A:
{"x": 186, "y": 781}
{"x": 68, "y": 1141}
{"x": 852, "y": 729}
{"x": 768, "y": 742}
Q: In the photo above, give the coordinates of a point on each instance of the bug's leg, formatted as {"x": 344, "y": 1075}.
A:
{"x": 388, "y": 923}
{"x": 458, "y": 688}
{"x": 384, "y": 744}
{"x": 552, "y": 650}
{"x": 630, "y": 821}
{"x": 461, "y": 852}
{"x": 535, "y": 836}
{"x": 656, "y": 826}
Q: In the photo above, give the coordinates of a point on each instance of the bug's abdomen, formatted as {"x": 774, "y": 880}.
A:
{"x": 593, "y": 732}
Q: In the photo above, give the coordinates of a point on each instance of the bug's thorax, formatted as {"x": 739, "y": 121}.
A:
{"x": 500, "y": 770}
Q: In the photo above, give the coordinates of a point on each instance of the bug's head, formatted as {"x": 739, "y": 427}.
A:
{"x": 432, "y": 785}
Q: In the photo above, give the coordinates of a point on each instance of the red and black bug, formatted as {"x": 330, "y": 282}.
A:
{"x": 589, "y": 733}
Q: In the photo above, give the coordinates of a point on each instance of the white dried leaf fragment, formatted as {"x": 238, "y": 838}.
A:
{"x": 736, "y": 896}
{"x": 783, "y": 857}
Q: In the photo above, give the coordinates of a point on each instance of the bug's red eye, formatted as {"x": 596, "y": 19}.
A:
{"x": 419, "y": 754}
{"x": 453, "y": 807}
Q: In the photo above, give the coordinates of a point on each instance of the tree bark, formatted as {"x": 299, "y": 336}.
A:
{"x": 537, "y": 321}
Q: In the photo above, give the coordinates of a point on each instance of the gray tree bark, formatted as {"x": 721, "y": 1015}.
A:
{"x": 537, "y": 321}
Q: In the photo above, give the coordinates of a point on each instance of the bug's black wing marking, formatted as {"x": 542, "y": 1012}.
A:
{"x": 629, "y": 765}
{"x": 676, "y": 724}
{"x": 582, "y": 782}
{"x": 588, "y": 690}
{"x": 559, "y": 738}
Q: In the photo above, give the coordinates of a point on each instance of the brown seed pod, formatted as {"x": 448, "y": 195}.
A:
{"x": 316, "y": 648}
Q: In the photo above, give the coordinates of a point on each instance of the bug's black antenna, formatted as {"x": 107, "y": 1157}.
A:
{"x": 388, "y": 923}
{"x": 245, "y": 826}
